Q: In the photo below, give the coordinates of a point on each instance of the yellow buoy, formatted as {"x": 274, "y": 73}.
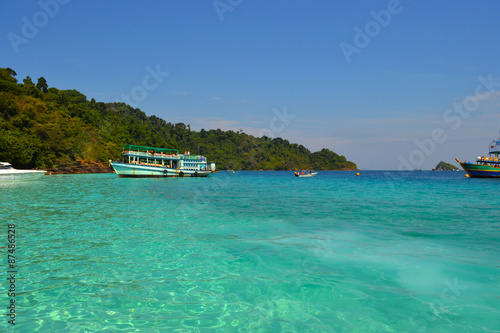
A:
{"x": 357, "y": 174}
{"x": 467, "y": 175}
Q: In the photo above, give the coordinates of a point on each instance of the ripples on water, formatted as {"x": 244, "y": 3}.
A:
{"x": 256, "y": 252}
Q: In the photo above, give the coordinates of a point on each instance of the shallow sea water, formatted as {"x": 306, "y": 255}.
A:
{"x": 255, "y": 252}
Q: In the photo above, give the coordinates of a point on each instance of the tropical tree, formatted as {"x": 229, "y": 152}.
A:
{"x": 42, "y": 85}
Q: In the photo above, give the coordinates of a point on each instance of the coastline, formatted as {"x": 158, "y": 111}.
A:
{"x": 97, "y": 167}
{"x": 80, "y": 167}
{"x": 83, "y": 166}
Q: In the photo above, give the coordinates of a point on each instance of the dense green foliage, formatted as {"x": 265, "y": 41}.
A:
{"x": 443, "y": 166}
{"x": 46, "y": 127}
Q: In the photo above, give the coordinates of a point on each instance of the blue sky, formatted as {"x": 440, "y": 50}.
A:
{"x": 281, "y": 68}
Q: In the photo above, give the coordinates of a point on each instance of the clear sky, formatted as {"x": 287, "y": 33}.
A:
{"x": 389, "y": 84}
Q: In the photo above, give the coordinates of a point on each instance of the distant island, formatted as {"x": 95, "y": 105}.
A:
{"x": 443, "y": 166}
{"x": 63, "y": 132}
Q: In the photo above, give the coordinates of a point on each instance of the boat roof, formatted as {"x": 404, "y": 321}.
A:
{"x": 145, "y": 148}
{"x": 5, "y": 164}
{"x": 495, "y": 146}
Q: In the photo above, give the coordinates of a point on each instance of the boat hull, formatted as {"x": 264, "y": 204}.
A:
{"x": 147, "y": 171}
{"x": 306, "y": 175}
{"x": 21, "y": 175}
{"x": 480, "y": 170}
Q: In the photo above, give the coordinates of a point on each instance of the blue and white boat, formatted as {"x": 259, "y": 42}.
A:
{"x": 8, "y": 173}
{"x": 141, "y": 161}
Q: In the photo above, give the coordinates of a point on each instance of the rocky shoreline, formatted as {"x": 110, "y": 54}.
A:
{"x": 80, "y": 167}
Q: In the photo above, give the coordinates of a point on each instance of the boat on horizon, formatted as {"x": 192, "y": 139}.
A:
{"x": 304, "y": 174}
{"x": 485, "y": 166}
{"x": 142, "y": 161}
{"x": 8, "y": 173}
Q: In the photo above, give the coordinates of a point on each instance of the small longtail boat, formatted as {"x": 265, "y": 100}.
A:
{"x": 305, "y": 174}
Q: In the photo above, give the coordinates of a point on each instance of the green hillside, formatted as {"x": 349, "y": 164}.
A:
{"x": 443, "y": 166}
{"x": 47, "y": 128}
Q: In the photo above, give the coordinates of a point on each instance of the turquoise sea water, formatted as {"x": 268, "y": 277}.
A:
{"x": 255, "y": 252}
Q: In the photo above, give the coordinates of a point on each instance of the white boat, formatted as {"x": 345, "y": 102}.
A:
{"x": 140, "y": 161}
{"x": 8, "y": 173}
{"x": 305, "y": 174}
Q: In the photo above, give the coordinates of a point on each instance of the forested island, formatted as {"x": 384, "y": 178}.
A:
{"x": 443, "y": 166}
{"x": 48, "y": 128}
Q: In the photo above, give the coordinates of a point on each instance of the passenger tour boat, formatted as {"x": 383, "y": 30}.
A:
{"x": 140, "y": 161}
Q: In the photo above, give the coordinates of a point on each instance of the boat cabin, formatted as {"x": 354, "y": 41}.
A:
{"x": 162, "y": 157}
